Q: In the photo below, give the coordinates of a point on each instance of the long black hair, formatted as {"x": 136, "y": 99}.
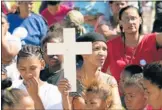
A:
{"x": 120, "y": 16}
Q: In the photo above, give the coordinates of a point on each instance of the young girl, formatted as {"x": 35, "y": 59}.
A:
{"x": 14, "y": 99}
{"x": 91, "y": 69}
{"x": 98, "y": 96}
{"x": 30, "y": 63}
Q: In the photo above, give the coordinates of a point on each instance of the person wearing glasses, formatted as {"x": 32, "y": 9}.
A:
{"x": 131, "y": 47}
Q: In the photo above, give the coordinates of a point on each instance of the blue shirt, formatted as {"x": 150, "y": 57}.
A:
{"x": 34, "y": 24}
{"x": 93, "y": 8}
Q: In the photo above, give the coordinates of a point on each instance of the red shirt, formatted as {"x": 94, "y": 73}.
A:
{"x": 148, "y": 107}
{"x": 117, "y": 60}
{"x": 4, "y": 8}
{"x": 57, "y": 17}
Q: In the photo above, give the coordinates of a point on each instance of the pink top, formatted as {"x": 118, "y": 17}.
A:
{"x": 148, "y": 107}
{"x": 146, "y": 51}
{"x": 4, "y": 8}
{"x": 57, "y": 17}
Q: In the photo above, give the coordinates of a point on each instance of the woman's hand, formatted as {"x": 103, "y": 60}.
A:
{"x": 64, "y": 87}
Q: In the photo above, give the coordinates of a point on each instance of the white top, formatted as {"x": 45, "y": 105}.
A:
{"x": 49, "y": 94}
{"x": 13, "y": 40}
{"x": 11, "y": 68}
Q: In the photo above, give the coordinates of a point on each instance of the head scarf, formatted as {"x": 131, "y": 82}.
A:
{"x": 91, "y": 37}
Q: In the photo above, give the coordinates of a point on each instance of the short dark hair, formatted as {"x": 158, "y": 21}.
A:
{"x": 153, "y": 73}
{"x": 133, "y": 69}
{"x": 53, "y": 2}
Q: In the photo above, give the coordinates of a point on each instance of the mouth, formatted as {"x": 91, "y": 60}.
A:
{"x": 53, "y": 60}
{"x": 102, "y": 60}
{"x": 131, "y": 27}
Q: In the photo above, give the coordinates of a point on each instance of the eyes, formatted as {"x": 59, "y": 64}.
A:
{"x": 129, "y": 95}
{"x": 96, "y": 48}
{"x": 90, "y": 102}
{"x": 32, "y": 68}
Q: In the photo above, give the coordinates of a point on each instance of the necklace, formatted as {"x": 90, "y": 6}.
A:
{"x": 129, "y": 58}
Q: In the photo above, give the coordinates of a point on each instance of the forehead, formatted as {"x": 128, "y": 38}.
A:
{"x": 28, "y": 60}
{"x": 132, "y": 89}
{"x": 125, "y": 74}
{"x": 99, "y": 43}
{"x": 90, "y": 95}
{"x": 130, "y": 12}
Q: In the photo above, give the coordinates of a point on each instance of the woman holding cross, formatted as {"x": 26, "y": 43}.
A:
{"x": 88, "y": 72}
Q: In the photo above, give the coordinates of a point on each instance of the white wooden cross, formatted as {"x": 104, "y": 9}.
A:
{"x": 69, "y": 49}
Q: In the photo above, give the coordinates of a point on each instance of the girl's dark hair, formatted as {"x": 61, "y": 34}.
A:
{"x": 29, "y": 51}
{"x": 153, "y": 73}
{"x": 120, "y": 16}
{"x": 10, "y": 97}
{"x": 6, "y": 83}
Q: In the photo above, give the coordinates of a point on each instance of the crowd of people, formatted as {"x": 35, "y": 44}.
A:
{"x": 124, "y": 71}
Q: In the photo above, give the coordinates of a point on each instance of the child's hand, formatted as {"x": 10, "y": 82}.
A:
{"x": 32, "y": 87}
{"x": 64, "y": 87}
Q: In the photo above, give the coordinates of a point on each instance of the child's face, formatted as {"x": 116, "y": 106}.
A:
{"x": 153, "y": 93}
{"x": 134, "y": 98}
{"x": 94, "y": 102}
{"x": 52, "y": 60}
{"x": 30, "y": 66}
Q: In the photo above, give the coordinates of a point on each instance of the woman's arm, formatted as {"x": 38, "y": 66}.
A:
{"x": 9, "y": 49}
{"x": 115, "y": 95}
{"x": 159, "y": 40}
{"x": 64, "y": 88}
{"x": 105, "y": 30}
